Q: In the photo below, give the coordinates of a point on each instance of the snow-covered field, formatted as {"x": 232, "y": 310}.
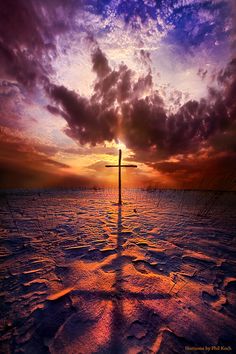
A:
{"x": 79, "y": 274}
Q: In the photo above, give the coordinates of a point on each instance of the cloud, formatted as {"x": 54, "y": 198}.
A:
{"x": 128, "y": 108}
{"x": 10, "y": 104}
{"x": 99, "y": 166}
{"x": 213, "y": 171}
{"x": 19, "y": 174}
{"x": 99, "y": 118}
{"x": 19, "y": 39}
{"x": 100, "y": 63}
{"x": 124, "y": 103}
{"x": 23, "y": 166}
{"x": 28, "y": 37}
{"x": 88, "y": 122}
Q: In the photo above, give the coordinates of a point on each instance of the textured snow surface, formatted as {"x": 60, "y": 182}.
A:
{"x": 79, "y": 274}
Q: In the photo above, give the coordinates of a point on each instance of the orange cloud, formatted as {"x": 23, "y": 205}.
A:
{"x": 22, "y": 166}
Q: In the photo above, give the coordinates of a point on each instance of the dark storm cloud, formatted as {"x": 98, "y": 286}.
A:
{"x": 122, "y": 105}
{"x": 148, "y": 126}
{"x": 89, "y": 122}
{"x": 28, "y": 32}
{"x": 162, "y": 135}
{"x": 29, "y": 29}
{"x": 53, "y": 110}
{"x": 100, "y": 63}
{"x": 99, "y": 118}
{"x": 20, "y": 41}
{"x": 214, "y": 172}
{"x": 129, "y": 108}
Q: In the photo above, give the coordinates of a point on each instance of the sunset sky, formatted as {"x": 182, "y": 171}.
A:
{"x": 81, "y": 79}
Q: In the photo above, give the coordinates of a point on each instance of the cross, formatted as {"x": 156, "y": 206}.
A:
{"x": 119, "y": 174}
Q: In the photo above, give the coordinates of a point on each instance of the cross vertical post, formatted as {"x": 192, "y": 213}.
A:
{"x": 119, "y": 174}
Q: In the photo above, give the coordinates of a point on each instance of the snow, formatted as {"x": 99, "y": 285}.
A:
{"x": 80, "y": 274}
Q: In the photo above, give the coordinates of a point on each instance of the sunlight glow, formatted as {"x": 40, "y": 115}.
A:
{"x": 121, "y": 145}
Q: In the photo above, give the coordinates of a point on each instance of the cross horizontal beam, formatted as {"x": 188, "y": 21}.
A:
{"x": 121, "y": 166}
{"x": 129, "y": 295}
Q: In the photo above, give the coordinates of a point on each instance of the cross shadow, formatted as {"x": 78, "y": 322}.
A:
{"x": 118, "y": 315}
{"x": 118, "y": 295}
{"x": 59, "y": 312}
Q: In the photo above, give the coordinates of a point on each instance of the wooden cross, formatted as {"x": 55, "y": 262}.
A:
{"x": 119, "y": 174}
